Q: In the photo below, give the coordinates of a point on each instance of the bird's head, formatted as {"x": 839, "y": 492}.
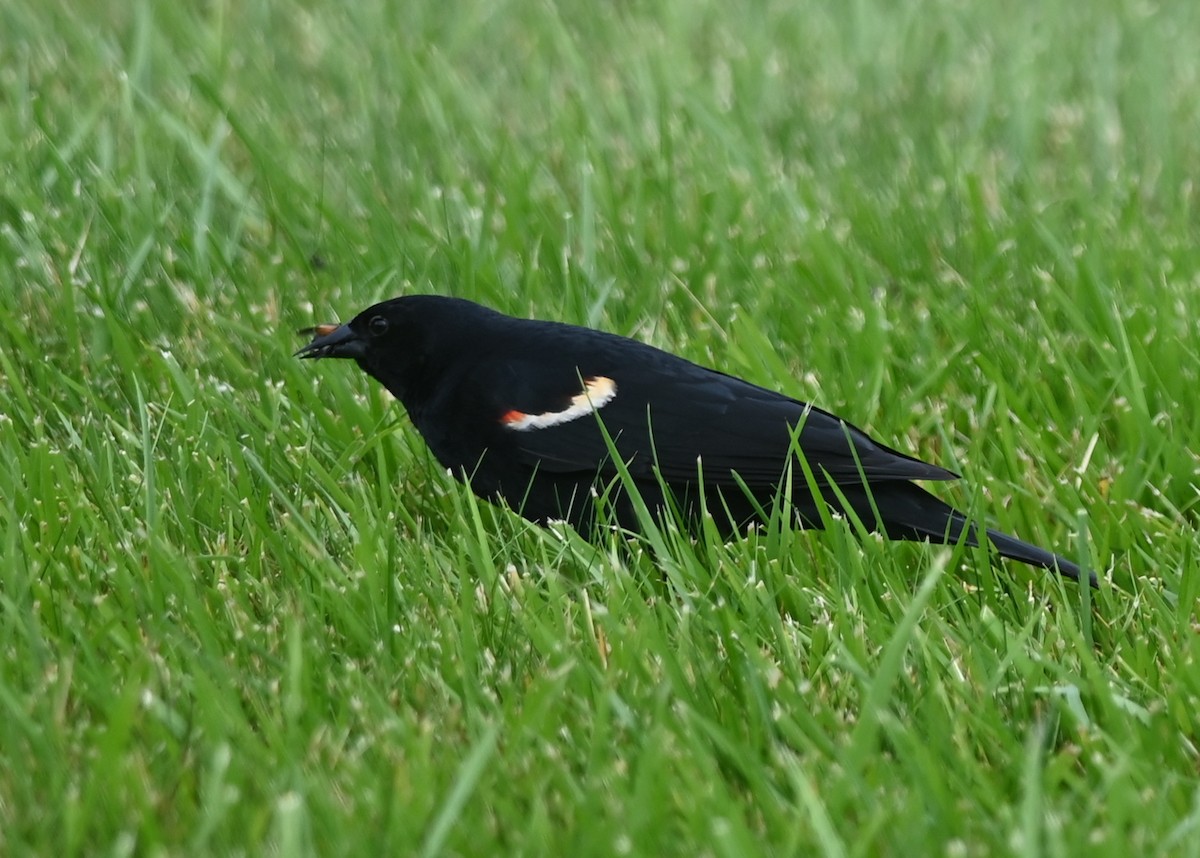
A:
{"x": 402, "y": 342}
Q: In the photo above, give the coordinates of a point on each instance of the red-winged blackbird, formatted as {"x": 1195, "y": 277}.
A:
{"x": 511, "y": 406}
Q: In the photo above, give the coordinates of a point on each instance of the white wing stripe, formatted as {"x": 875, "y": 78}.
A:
{"x": 597, "y": 392}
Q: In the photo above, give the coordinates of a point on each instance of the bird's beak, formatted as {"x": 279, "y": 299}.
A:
{"x": 332, "y": 341}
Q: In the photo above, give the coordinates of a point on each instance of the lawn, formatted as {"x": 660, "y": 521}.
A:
{"x": 243, "y": 611}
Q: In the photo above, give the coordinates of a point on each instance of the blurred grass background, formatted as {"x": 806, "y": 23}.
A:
{"x": 243, "y": 611}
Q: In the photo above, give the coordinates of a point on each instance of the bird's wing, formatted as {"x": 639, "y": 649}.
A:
{"x": 676, "y": 416}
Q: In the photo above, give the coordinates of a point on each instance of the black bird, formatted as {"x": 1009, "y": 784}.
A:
{"x": 511, "y": 406}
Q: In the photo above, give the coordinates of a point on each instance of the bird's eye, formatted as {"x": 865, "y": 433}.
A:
{"x": 378, "y": 326}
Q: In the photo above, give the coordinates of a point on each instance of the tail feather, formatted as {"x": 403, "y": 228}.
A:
{"x": 1018, "y": 549}
{"x": 908, "y": 511}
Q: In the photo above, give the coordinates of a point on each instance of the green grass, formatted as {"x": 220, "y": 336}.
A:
{"x": 242, "y": 610}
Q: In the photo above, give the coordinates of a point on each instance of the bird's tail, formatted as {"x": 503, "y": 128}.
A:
{"x": 909, "y": 512}
{"x": 1019, "y": 549}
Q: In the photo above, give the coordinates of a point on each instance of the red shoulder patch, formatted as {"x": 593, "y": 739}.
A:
{"x": 597, "y": 392}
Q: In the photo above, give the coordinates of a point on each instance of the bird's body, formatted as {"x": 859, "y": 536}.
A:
{"x": 529, "y": 412}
